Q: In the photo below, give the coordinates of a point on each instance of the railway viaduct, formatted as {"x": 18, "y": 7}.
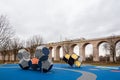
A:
{"x": 81, "y": 43}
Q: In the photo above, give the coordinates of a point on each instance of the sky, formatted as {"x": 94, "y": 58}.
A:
{"x": 57, "y": 20}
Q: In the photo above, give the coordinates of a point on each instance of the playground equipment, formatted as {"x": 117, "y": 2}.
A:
{"x": 73, "y": 59}
{"x": 24, "y": 58}
{"x": 40, "y": 60}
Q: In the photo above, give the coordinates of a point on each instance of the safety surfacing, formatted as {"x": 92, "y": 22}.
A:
{"x": 60, "y": 72}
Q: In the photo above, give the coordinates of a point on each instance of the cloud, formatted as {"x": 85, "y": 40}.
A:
{"x": 56, "y": 20}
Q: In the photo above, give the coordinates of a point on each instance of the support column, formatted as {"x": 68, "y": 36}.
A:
{"x": 56, "y": 54}
{"x": 95, "y": 53}
{"x": 63, "y": 51}
{"x": 70, "y": 50}
{"x": 50, "y": 54}
{"x": 82, "y": 51}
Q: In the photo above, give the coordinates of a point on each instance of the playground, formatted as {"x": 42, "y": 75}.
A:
{"x": 60, "y": 72}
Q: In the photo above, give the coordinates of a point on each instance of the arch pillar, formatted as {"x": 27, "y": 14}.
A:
{"x": 95, "y": 53}
{"x": 64, "y": 52}
{"x": 56, "y": 54}
{"x": 71, "y": 50}
{"x": 50, "y": 55}
{"x": 82, "y": 51}
{"x": 66, "y": 49}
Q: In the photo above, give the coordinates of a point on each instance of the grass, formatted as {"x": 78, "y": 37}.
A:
{"x": 8, "y": 62}
{"x": 95, "y": 63}
{"x": 86, "y": 62}
{"x": 103, "y": 63}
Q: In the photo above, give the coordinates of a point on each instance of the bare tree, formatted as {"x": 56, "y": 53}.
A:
{"x": 4, "y": 50}
{"x": 107, "y": 57}
{"x": 33, "y": 42}
{"x": 15, "y": 45}
{"x": 66, "y": 49}
{"x": 90, "y": 57}
{"x": 6, "y": 33}
{"x": 111, "y": 47}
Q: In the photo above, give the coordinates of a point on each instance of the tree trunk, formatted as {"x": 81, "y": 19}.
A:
{"x": 15, "y": 53}
{"x": 3, "y": 57}
{"x": 9, "y": 57}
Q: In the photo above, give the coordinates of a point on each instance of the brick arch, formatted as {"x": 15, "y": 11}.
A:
{"x": 101, "y": 44}
{"x": 72, "y": 45}
{"x": 117, "y": 48}
{"x": 84, "y": 46}
{"x": 50, "y": 47}
{"x": 72, "y": 48}
{"x": 117, "y": 41}
{"x": 98, "y": 44}
{"x": 57, "y": 53}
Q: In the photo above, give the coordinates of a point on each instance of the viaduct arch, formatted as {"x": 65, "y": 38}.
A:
{"x": 82, "y": 44}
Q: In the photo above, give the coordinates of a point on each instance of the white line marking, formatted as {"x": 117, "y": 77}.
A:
{"x": 85, "y": 75}
{"x": 9, "y": 67}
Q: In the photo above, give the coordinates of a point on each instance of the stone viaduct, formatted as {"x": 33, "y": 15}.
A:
{"x": 70, "y": 44}
{"x": 82, "y": 44}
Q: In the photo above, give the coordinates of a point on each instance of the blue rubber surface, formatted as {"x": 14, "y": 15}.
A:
{"x": 102, "y": 73}
{"x": 14, "y": 72}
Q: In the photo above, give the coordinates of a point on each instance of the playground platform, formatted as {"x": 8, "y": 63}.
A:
{"x": 60, "y": 72}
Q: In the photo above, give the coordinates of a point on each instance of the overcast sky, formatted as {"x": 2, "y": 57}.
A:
{"x": 56, "y": 20}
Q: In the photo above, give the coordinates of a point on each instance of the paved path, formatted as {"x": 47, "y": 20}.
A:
{"x": 85, "y": 75}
